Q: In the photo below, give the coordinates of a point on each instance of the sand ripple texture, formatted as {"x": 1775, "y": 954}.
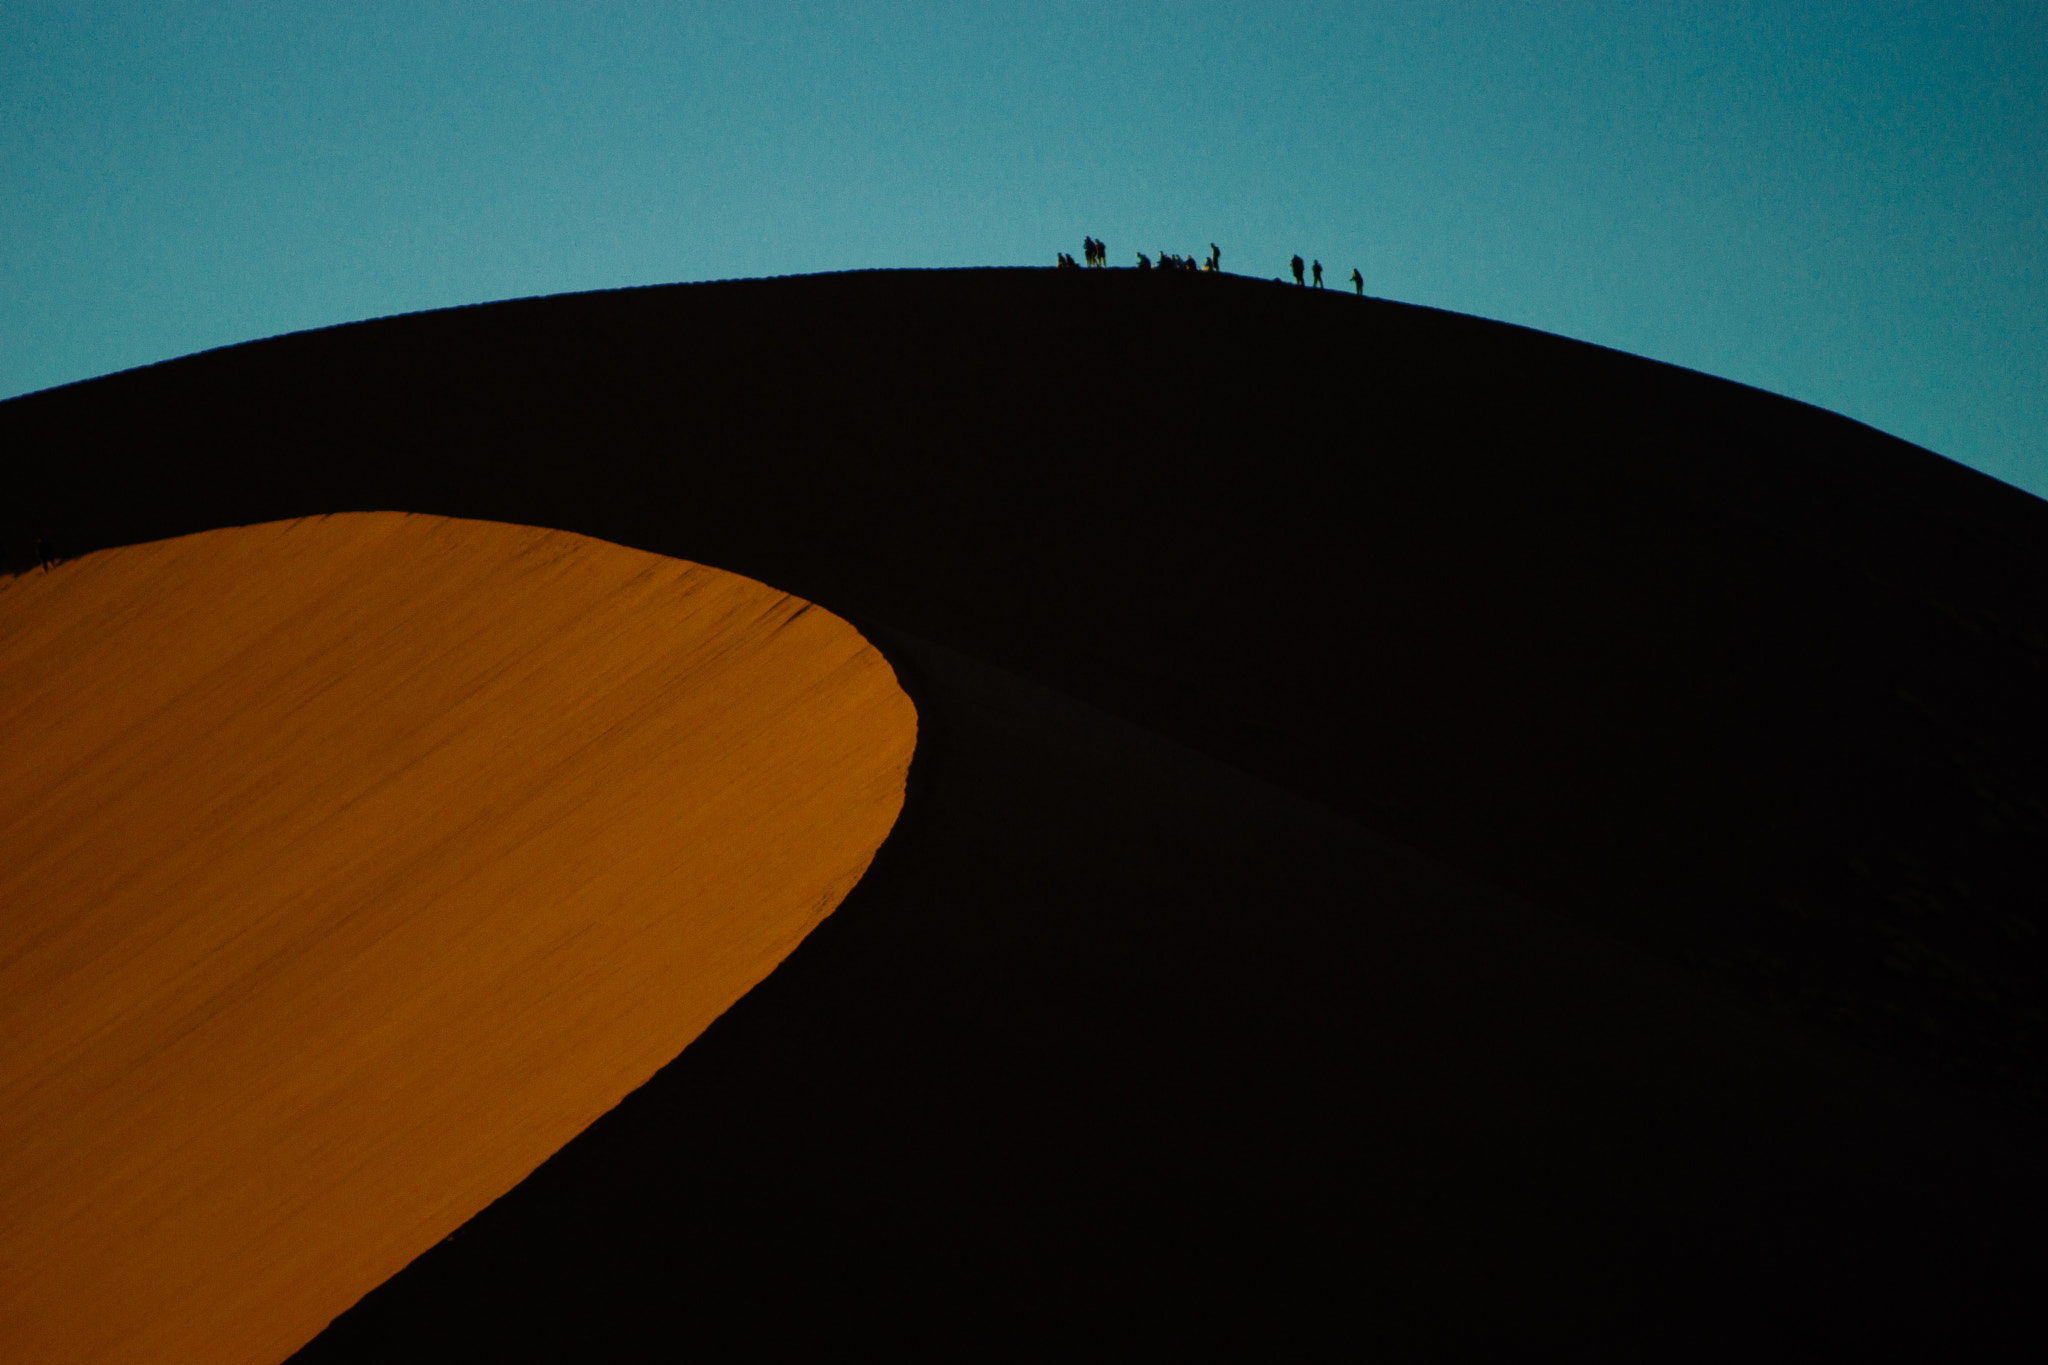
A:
{"x": 350, "y": 866}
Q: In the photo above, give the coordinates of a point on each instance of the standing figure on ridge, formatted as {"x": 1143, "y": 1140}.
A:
{"x": 1319, "y": 274}
{"x": 1357, "y": 283}
{"x": 1215, "y": 257}
{"x": 1297, "y": 264}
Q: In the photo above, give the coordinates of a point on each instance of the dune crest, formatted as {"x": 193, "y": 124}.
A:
{"x": 351, "y": 866}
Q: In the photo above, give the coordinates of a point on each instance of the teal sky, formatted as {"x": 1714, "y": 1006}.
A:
{"x": 1843, "y": 203}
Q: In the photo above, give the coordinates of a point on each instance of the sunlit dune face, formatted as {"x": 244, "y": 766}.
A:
{"x": 350, "y": 866}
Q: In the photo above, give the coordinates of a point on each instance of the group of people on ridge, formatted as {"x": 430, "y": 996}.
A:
{"x": 1096, "y": 252}
{"x": 1357, "y": 280}
{"x": 1169, "y": 261}
{"x": 1098, "y": 256}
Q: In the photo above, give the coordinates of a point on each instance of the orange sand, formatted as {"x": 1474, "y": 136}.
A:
{"x": 351, "y": 866}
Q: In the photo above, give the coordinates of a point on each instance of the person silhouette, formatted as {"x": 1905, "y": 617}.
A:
{"x": 1319, "y": 274}
{"x": 1296, "y": 263}
{"x": 1215, "y": 256}
{"x": 1358, "y": 284}
{"x": 1144, "y": 261}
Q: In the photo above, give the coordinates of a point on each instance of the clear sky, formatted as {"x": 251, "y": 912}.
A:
{"x": 1847, "y": 203}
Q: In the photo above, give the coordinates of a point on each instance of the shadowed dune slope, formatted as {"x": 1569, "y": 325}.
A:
{"x": 1116, "y": 1044}
{"x": 351, "y": 866}
{"x": 1525, "y": 840}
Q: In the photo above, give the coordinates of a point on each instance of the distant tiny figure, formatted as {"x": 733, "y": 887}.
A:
{"x": 1215, "y": 256}
{"x": 1095, "y": 251}
{"x": 1067, "y": 262}
{"x": 1319, "y": 274}
{"x": 1358, "y": 284}
{"x": 1144, "y": 261}
{"x": 1189, "y": 264}
{"x": 1298, "y": 268}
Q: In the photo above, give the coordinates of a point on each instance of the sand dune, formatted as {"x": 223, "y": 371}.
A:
{"x": 1415, "y": 820}
{"x": 353, "y": 865}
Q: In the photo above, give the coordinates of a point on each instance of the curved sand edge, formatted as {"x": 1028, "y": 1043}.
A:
{"x": 352, "y": 865}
